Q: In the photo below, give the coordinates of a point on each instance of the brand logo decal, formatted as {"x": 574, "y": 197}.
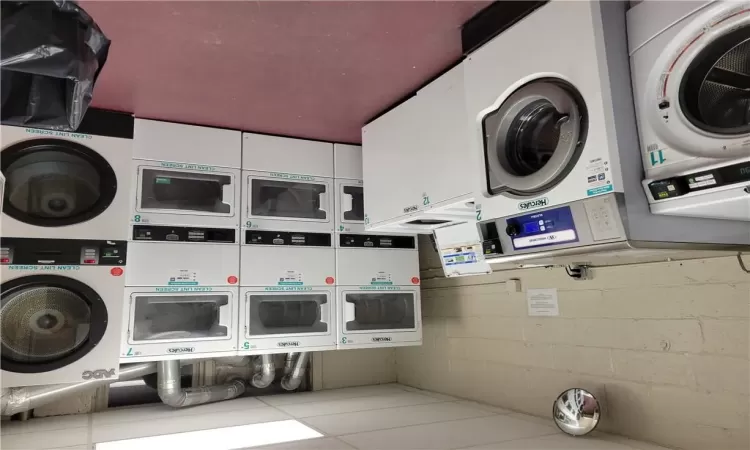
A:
{"x": 533, "y": 204}
{"x": 97, "y": 374}
{"x": 411, "y": 208}
{"x": 289, "y": 344}
{"x": 381, "y": 339}
{"x": 181, "y": 350}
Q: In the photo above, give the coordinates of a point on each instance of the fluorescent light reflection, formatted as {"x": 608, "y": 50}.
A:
{"x": 228, "y": 438}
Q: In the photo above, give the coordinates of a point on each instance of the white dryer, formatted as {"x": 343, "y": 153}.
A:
{"x": 70, "y": 185}
{"x": 544, "y": 109}
{"x": 61, "y": 307}
{"x": 691, "y": 77}
{"x": 181, "y": 298}
{"x": 377, "y": 291}
{"x": 287, "y": 292}
{"x": 287, "y": 184}
{"x": 185, "y": 175}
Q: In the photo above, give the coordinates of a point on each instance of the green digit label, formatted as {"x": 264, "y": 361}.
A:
{"x": 246, "y": 345}
{"x": 130, "y": 351}
{"x": 479, "y": 215}
{"x": 426, "y": 200}
{"x": 343, "y": 340}
{"x": 137, "y": 218}
{"x": 248, "y": 224}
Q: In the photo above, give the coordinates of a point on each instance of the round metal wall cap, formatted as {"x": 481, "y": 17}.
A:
{"x": 576, "y": 412}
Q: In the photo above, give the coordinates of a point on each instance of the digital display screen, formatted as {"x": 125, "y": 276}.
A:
{"x": 530, "y": 227}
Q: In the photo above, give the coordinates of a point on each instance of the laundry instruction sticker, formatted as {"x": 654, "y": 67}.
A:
{"x": 287, "y": 288}
{"x": 291, "y": 278}
{"x": 44, "y": 268}
{"x": 598, "y": 177}
{"x": 183, "y": 277}
{"x": 380, "y": 288}
{"x": 58, "y": 133}
{"x": 381, "y": 279}
{"x": 174, "y": 165}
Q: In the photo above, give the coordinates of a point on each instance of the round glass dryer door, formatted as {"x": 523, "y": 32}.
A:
{"x": 48, "y": 322}
{"x": 534, "y": 138}
{"x": 51, "y": 182}
{"x": 715, "y": 88}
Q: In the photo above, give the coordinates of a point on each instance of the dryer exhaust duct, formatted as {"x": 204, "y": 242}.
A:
{"x": 172, "y": 394}
{"x": 293, "y": 379}
{"x": 21, "y": 399}
{"x": 267, "y": 373}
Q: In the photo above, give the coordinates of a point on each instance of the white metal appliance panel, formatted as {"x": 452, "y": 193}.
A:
{"x": 265, "y": 153}
{"x": 109, "y": 224}
{"x": 390, "y": 164}
{"x": 373, "y": 338}
{"x": 187, "y": 144}
{"x": 147, "y": 208}
{"x": 322, "y": 337}
{"x": 417, "y": 156}
{"x": 446, "y": 159}
{"x": 173, "y": 346}
{"x": 262, "y": 265}
{"x": 349, "y": 206}
{"x": 182, "y": 264}
{"x": 265, "y": 213}
{"x": 376, "y": 267}
{"x": 347, "y": 161}
{"x": 490, "y": 80}
{"x": 109, "y": 284}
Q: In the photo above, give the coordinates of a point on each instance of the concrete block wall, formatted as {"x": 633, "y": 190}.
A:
{"x": 347, "y": 368}
{"x": 665, "y": 345}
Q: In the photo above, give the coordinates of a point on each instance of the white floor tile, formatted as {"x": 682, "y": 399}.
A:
{"x": 332, "y": 394}
{"x": 44, "y": 424}
{"x": 535, "y": 419}
{"x": 437, "y": 395}
{"x": 182, "y": 423}
{"x": 557, "y": 442}
{"x": 448, "y": 435}
{"x": 325, "y": 443}
{"x": 637, "y": 445}
{"x": 160, "y": 411}
{"x": 356, "y": 404}
{"x": 380, "y": 419}
{"x": 43, "y": 440}
{"x": 486, "y": 407}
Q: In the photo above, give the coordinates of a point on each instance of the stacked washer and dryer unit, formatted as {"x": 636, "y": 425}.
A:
{"x": 287, "y": 294}
{"x": 182, "y": 294}
{"x": 557, "y": 143}
{"x": 377, "y": 274}
{"x": 63, "y": 250}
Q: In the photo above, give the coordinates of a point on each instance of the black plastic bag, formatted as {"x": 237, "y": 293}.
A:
{"x": 51, "y": 53}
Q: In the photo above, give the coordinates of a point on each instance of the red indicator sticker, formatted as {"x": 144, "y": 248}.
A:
{"x": 116, "y": 271}
{"x": 232, "y": 280}
{"x": 414, "y": 280}
{"x": 329, "y": 280}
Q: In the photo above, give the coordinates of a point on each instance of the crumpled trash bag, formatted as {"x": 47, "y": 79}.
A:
{"x": 51, "y": 53}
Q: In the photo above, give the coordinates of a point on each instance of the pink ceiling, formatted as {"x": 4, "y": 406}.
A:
{"x": 310, "y": 69}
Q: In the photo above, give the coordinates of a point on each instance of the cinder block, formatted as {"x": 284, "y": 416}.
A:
{"x": 676, "y": 302}
{"x": 713, "y": 409}
{"x": 648, "y": 334}
{"x": 726, "y": 337}
{"x": 721, "y": 373}
{"x": 345, "y": 368}
{"x": 583, "y": 360}
{"x": 653, "y": 367}
{"x": 487, "y": 327}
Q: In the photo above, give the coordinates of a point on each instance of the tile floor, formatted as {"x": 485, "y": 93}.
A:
{"x": 387, "y": 416}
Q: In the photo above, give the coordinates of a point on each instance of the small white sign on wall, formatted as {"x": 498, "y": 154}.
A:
{"x": 542, "y": 302}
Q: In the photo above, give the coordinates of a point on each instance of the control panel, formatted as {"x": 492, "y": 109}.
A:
{"x": 62, "y": 252}
{"x": 296, "y": 239}
{"x": 550, "y": 227}
{"x": 376, "y": 241}
{"x": 184, "y": 234}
